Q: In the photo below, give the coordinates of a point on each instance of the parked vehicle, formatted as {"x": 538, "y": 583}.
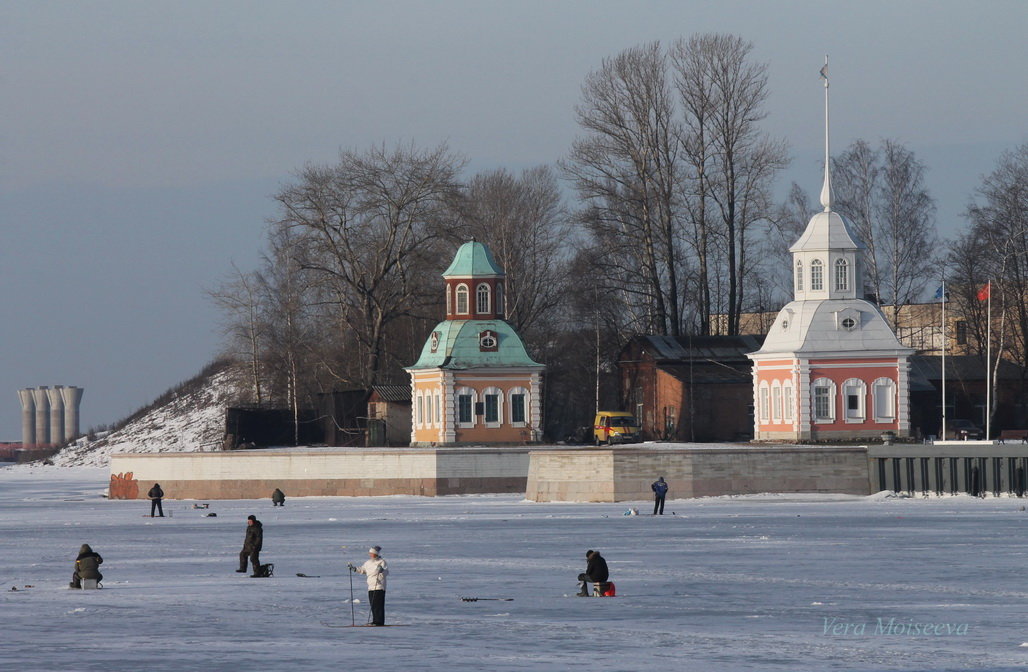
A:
{"x": 963, "y": 430}
{"x": 612, "y": 427}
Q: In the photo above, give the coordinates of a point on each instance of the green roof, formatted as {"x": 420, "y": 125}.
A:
{"x": 458, "y": 347}
{"x": 473, "y": 259}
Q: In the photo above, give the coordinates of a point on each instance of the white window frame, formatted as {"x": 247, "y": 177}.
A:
{"x": 498, "y": 393}
{"x": 854, "y": 385}
{"x": 788, "y": 403}
{"x": 499, "y": 299}
{"x": 776, "y": 401}
{"x": 471, "y": 392}
{"x": 817, "y": 276}
{"x": 449, "y": 300}
{"x": 832, "y": 402}
{"x": 462, "y": 292}
{"x": 842, "y": 275}
{"x": 764, "y": 392}
{"x": 438, "y": 409}
{"x": 799, "y": 275}
{"x": 527, "y": 408}
{"x": 483, "y": 299}
{"x": 890, "y": 385}
{"x": 419, "y": 415}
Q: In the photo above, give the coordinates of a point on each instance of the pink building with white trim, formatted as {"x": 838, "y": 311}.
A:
{"x": 831, "y": 368}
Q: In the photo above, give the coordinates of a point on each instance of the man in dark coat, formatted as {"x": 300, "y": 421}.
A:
{"x": 595, "y": 571}
{"x": 252, "y": 544}
{"x": 155, "y": 496}
{"x": 278, "y": 498}
{"x": 659, "y": 488}
{"x": 87, "y": 566}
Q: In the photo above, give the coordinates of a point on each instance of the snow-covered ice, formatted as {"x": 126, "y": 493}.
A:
{"x": 741, "y": 583}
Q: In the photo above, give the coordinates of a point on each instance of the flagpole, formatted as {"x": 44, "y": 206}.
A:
{"x": 988, "y": 366}
{"x": 944, "y": 339}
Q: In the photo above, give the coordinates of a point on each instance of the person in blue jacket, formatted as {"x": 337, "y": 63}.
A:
{"x": 659, "y": 488}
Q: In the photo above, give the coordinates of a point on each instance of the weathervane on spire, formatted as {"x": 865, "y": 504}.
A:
{"x": 826, "y": 190}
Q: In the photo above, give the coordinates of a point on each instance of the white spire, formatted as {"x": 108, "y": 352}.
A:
{"x": 826, "y": 190}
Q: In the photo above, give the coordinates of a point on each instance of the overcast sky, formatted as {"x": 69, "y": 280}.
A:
{"x": 140, "y": 141}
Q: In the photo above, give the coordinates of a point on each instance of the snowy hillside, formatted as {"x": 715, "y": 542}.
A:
{"x": 192, "y": 420}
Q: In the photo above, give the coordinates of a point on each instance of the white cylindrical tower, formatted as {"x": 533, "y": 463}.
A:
{"x": 72, "y": 398}
{"x": 28, "y": 418}
{"x": 56, "y": 415}
{"x": 42, "y": 415}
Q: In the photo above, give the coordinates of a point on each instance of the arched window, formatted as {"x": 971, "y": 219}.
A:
{"x": 787, "y": 401}
{"x": 823, "y": 396}
{"x": 499, "y": 299}
{"x": 430, "y": 411}
{"x": 518, "y": 404}
{"x": 449, "y": 301}
{"x": 438, "y": 409}
{"x": 492, "y": 399}
{"x": 482, "y": 299}
{"x": 842, "y": 275}
{"x": 765, "y": 402}
{"x": 462, "y": 299}
{"x": 466, "y": 398}
{"x": 883, "y": 394}
{"x": 817, "y": 275}
{"x": 799, "y": 275}
{"x": 854, "y": 398}
{"x": 419, "y": 418}
{"x": 776, "y": 401}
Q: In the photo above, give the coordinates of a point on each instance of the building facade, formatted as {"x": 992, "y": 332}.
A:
{"x": 830, "y": 367}
{"x": 474, "y": 382}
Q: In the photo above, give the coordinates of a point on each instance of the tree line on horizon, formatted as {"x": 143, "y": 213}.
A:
{"x": 672, "y": 224}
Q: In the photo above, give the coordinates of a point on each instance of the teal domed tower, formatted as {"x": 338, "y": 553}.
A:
{"x": 474, "y": 382}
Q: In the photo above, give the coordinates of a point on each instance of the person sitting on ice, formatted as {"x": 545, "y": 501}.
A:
{"x": 87, "y": 566}
{"x": 595, "y": 571}
{"x": 278, "y": 498}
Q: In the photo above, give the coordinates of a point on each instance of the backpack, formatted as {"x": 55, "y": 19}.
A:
{"x": 265, "y": 571}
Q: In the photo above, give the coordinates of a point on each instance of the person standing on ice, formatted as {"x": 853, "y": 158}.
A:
{"x": 252, "y": 544}
{"x": 155, "y": 495}
{"x": 595, "y": 571}
{"x": 659, "y": 488}
{"x": 376, "y": 570}
{"x": 87, "y": 566}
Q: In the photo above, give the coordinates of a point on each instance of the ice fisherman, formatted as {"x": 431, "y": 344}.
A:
{"x": 87, "y": 566}
{"x": 278, "y": 498}
{"x": 595, "y": 571}
{"x": 155, "y": 495}
{"x": 376, "y": 569}
{"x": 659, "y": 488}
{"x": 252, "y": 543}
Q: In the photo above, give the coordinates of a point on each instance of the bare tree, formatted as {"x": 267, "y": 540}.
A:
{"x": 240, "y": 299}
{"x": 732, "y": 162}
{"x": 366, "y": 224}
{"x": 625, "y": 169}
{"x": 523, "y": 220}
{"x": 882, "y": 192}
{"x": 999, "y": 220}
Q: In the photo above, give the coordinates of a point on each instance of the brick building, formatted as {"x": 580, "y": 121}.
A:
{"x": 689, "y": 388}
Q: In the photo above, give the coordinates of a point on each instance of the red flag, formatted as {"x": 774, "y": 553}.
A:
{"x": 983, "y": 293}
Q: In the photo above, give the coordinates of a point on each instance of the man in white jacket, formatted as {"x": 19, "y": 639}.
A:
{"x": 376, "y": 570}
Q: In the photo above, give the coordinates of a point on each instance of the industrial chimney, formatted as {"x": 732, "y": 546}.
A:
{"x": 72, "y": 398}
{"x": 56, "y": 415}
{"x": 28, "y": 418}
{"x": 42, "y": 416}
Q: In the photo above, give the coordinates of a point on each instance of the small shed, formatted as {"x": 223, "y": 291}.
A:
{"x": 389, "y": 415}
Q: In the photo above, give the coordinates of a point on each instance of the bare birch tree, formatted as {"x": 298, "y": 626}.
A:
{"x": 241, "y": 300}
{"x": 882, "y": 193}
